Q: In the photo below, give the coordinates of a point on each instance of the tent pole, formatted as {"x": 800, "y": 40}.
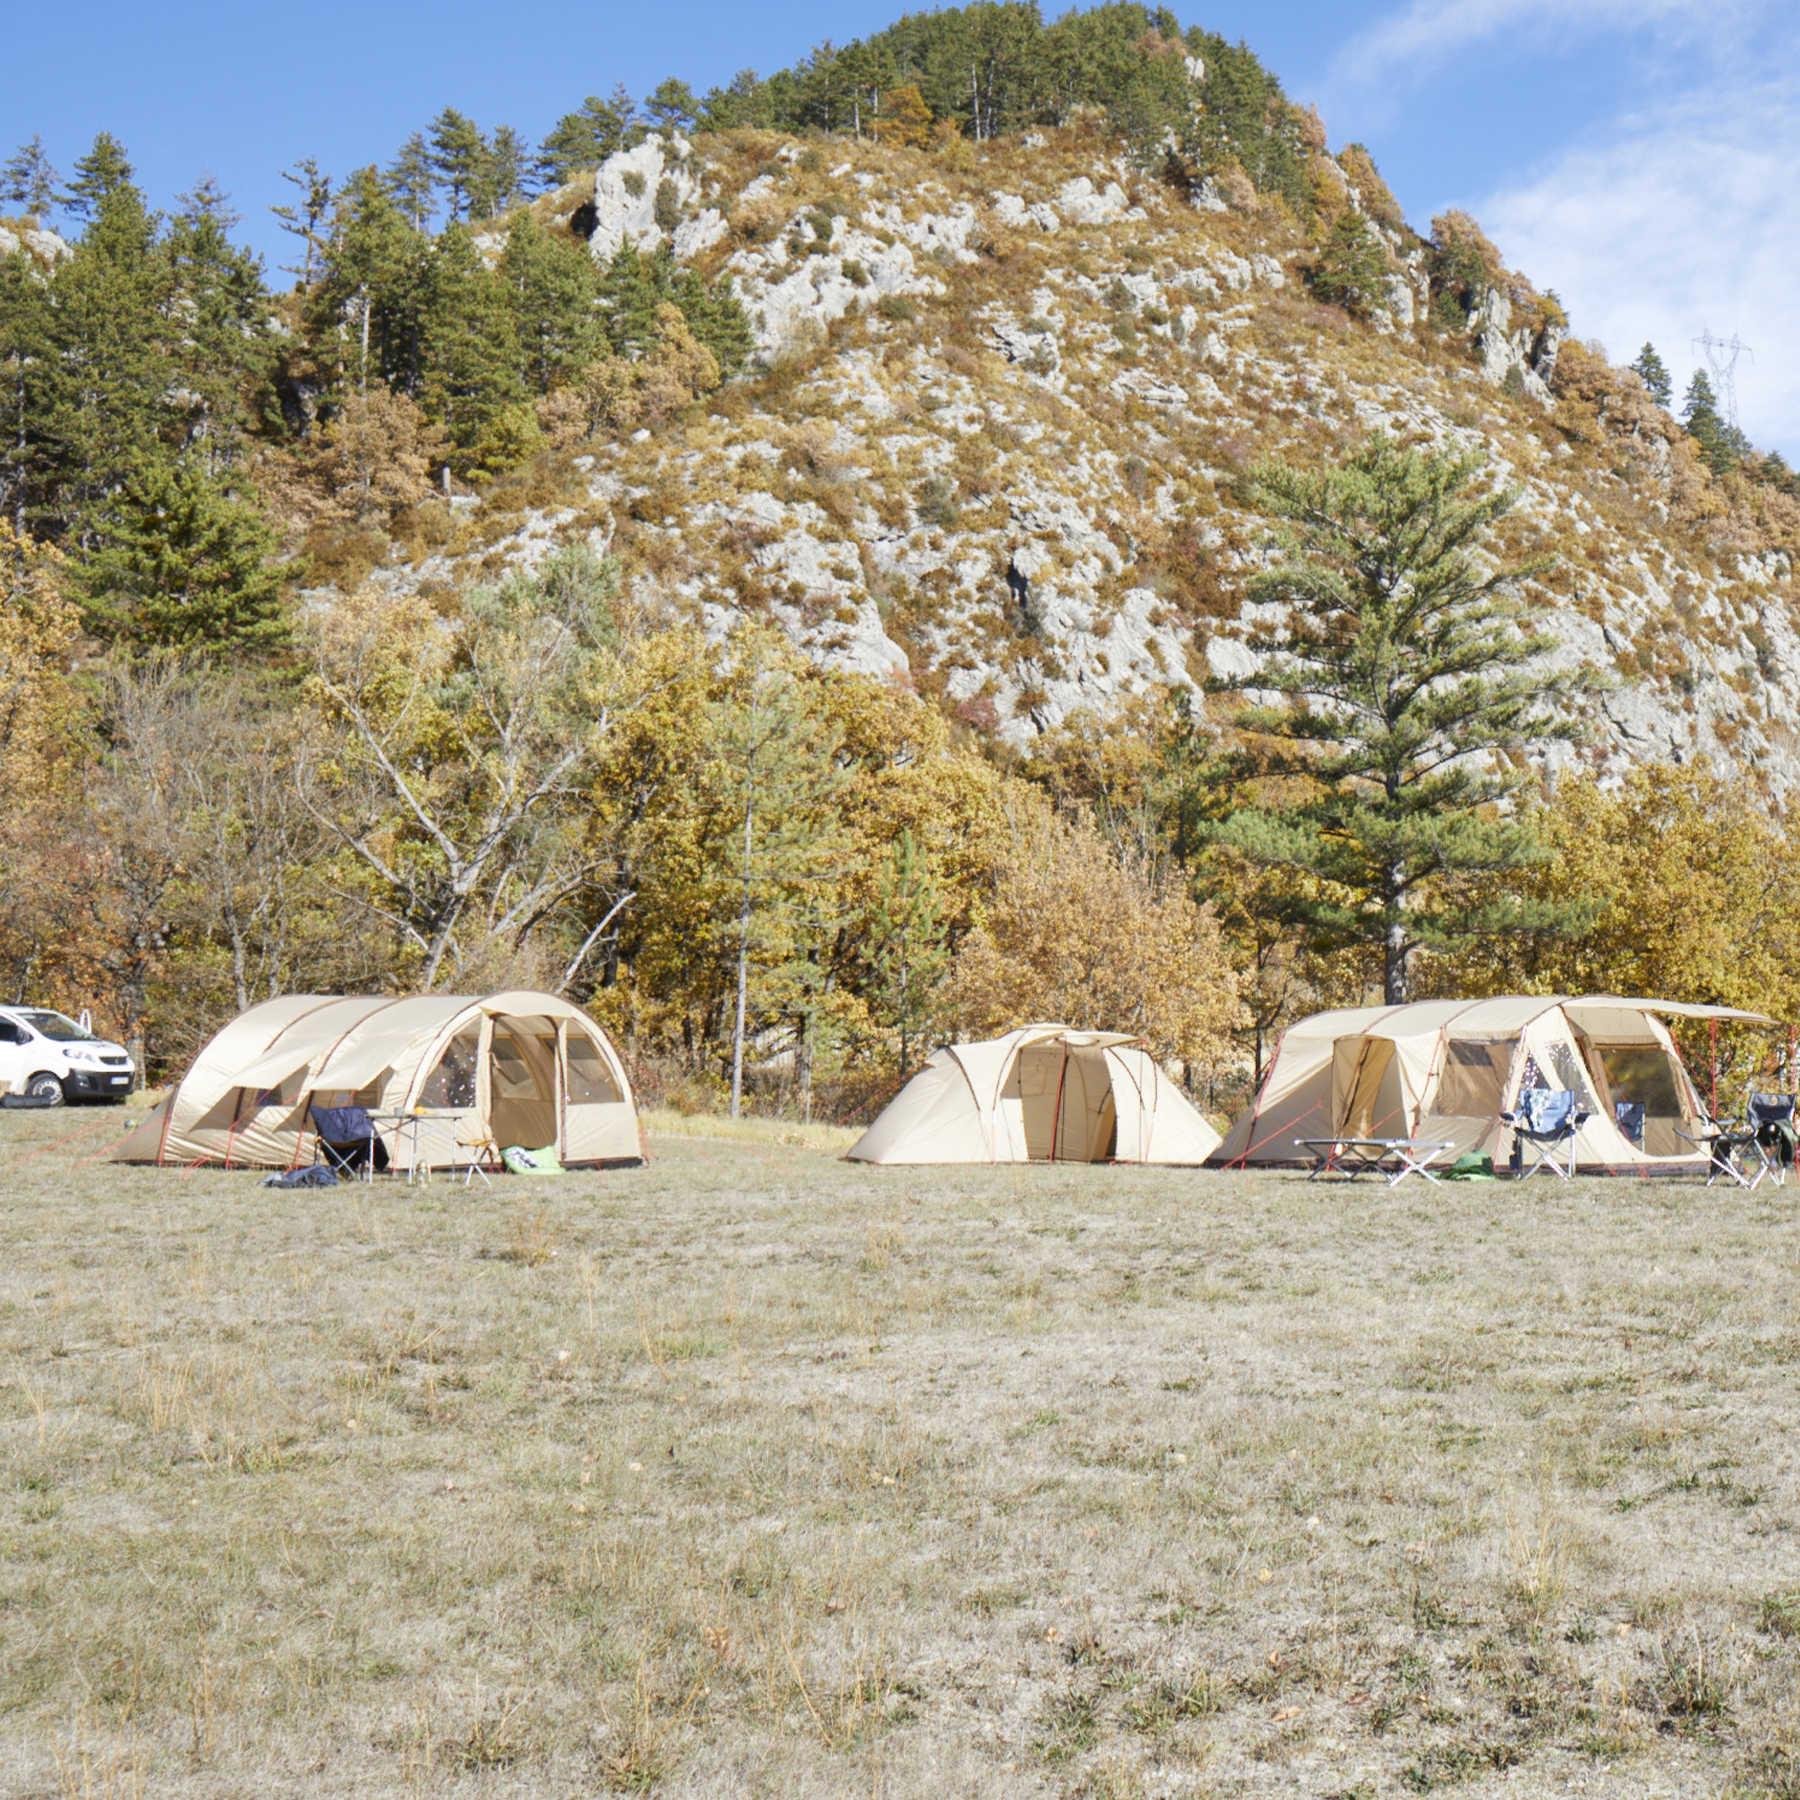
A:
{"x": 1713, "y": 1074}
{"x": 1062, "y": 1079}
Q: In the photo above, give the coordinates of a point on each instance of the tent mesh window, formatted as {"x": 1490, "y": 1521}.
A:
{"x": 1572, "y": 1075}
{"x": 513, "y": 1079}
{"x": 590, "y": 1080}
{"x": 1473, "y": 1082}
{"x": 452, "y": 1083}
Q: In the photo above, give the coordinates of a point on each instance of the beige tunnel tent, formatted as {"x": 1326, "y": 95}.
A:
{"x": 1043, "y": 1094}
{"x": 518, "y": 1068}
{"x": 1445, "y": 1070}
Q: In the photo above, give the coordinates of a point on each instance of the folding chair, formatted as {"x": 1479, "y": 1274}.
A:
{"x": 1629, "y": 1115}
{"x": 1727, "y": 1142}
{"x": 1771, "y": 1117}
{"x": 349, "y": 1144}
{"x": 476, "y": 1148}
{"x": 1545, "y": 1118}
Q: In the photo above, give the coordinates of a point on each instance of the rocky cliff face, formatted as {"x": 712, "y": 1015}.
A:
{"x": 1001, "y": 404}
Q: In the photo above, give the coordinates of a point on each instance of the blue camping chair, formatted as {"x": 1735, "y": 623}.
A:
{"x": 349, "y": 1144}
{"x": 1629, "y": 1115}
{"x": 1547, "y": 1119}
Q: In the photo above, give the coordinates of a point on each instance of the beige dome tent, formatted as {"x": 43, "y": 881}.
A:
{"x": 1445, "y": 1070}
{"x": 518, "y": 1068}
{"x": 1043, "y": 1094}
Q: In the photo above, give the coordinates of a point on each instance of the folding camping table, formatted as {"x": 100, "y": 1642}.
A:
{"x": 1396, "y": 1158}
{"x": 406, "y": 1127}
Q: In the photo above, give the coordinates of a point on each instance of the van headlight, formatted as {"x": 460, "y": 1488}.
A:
{"x": 83, "y": 1053}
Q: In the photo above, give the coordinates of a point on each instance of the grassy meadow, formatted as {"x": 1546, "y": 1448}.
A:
{"x": 756, "y": 1472}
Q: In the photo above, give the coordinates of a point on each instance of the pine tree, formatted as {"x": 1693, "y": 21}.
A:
{"x": 101, "y": 386}
{"x": 671, "y": 106}
{"x": 584, "y": 140}
{"x": 101, "y": 172}
{"x": 508, "y": 172}
{"x": 28, "y": 182}
{"x": 553, "y": 286}
{"x": 1406, "y": 685}
{"x": 366, "y": 319}
{"x": 908, "y": 940}
{"x": 635, "y": 285}
{"x": 629, "y": 296}
{"x": 25, "y": 351}
{"x": 744, "y": 101}
{"x": 458, "y": 152}
{"x": 412, "y": 181}
{"x": 306, "y": 217}
{"x": 1655, "y": 374}
{"x": 1351, "y": 267}
{"x": 221, "y": 345}
{"x": 185, "y": 564}
{"x": 1706, "y": 425}
{"x": 470, "y": 360}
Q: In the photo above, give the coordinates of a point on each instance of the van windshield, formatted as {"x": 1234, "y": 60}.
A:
{"x": 56, "y": 1028}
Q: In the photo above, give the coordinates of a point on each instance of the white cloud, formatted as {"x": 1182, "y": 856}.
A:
{"x": 1664, "y": 225}
{"x": 1414, "y": 42}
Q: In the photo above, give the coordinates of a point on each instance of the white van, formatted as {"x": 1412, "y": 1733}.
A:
{"x": 48, "y": 1057}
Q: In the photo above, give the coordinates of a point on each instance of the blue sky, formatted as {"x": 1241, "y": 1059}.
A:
{"x": 1636, "y": 155}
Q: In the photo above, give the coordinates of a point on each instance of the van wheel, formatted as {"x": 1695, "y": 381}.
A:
{"x": 45, "y": 1087}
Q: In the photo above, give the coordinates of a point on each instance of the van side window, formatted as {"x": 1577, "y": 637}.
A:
{"x": 10, "y": 1033}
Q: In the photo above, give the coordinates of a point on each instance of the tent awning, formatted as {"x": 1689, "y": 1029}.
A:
{"x": 1674, "y": 1009}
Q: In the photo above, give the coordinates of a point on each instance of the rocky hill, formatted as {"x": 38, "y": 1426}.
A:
{"x": 1000, "y": 397}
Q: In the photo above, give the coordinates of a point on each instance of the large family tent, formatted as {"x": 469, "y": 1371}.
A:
{"x": 1043, "y": 1094}
{"x": 1445, "y": 1070}
{"x": 517, "y": 1068}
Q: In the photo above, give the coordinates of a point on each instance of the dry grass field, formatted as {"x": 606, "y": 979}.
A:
{"x": 754, "y": 1472}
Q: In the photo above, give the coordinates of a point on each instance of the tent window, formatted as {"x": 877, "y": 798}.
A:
{"x": 451, "y": 1084}
{"x": 1569, "y": 1072}
{"x": 1473, "y": 1082}
{"x": 1641, "y": 1072}
{"x": 513, "y": 1079}
{"x": 590, "y": 1080}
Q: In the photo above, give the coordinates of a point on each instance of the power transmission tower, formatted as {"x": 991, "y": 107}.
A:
{"x": 1722, "y": 358}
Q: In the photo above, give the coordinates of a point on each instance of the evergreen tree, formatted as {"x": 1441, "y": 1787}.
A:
{"x": 185, "y": 564}
{"x": 366, "y": 318}
{"x": 220, "y": 347}
{"x": 28, "y": 182}
{"x": 470, "y": 347}
{"x": 1706, "y": 425}
{"x": 553, "y": 286}
{"x": 306, "y": 217}
{"x": 506, "y": 179}
{"x": 744, "y": 101}
{"x": 458, "y": 153}
{"x": 1404, "y": 690}
{"x": 584, "y": 140}
{"x": 1655, "y": 374}
{"x": 25, "y": 350}
{"x": 412, "y": 181}
{"x": 101, "y": 172}
{"x": 909, "y": 950}
{"x": 635, "y": 285}
{"x": 101, "y": 386}
{"x": 671, "y": 106}
{"x": 1351, "y": 267}
{"x": 629, "y": 296}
